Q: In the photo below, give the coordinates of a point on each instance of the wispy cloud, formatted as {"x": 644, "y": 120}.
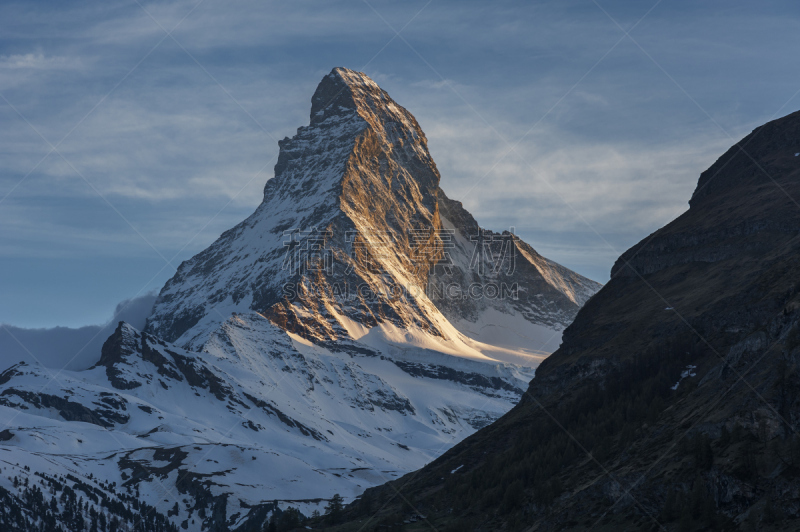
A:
{"x": 69, "y": 348}
{"x": 38, "y": 61}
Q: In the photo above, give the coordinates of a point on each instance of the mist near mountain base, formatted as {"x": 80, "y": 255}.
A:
{"x": 65, "y": 347}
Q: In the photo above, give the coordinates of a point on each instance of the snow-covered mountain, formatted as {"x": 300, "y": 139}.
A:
{"x": 354, "y": 233}
{"x": 354, "y": 327}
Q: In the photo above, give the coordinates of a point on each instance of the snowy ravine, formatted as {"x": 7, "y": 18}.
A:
{"x": 364, "y": 349}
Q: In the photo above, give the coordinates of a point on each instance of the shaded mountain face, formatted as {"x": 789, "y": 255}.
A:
{"x": 674, "y": 400}
{"x": 547, "y": 292}
{"x": 357, "y": 325}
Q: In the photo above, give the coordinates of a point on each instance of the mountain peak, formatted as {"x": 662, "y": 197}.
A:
{"x": 350, "y": 116}
{"x": 760, "y": 158}
{"x": 359, "y": 186}
{"x": 341, "y": 90}
{"x": 353, "y": 327}
{"x": 353, "y": 79}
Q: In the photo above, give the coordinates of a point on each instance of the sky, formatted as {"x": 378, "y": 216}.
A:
{"x": 134, "y": 133}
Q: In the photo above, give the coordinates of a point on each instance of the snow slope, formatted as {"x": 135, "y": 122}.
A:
{"x": 259, "y": 414}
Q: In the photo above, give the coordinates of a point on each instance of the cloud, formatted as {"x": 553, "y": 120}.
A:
{"x": 37, "y": 61}
{"x": 69, "y": 348}
{"x": 134, "y": 311}
{"x": 579, "y": 201}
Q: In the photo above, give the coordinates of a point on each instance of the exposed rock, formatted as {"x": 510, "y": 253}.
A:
{"x": 119, "y": 346}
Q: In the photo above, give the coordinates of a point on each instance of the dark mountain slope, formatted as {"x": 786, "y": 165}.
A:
{"x": 604, "y": 439}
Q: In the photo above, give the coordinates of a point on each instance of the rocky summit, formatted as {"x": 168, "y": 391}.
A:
{"x": 357, "y": 325}
{"x": 375, "y": 242}
{"x": 673, "y": 402}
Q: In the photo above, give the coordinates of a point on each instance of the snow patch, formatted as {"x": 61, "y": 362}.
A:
{"x": 688, "y": 372}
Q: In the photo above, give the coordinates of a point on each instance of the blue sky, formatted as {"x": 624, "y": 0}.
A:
{"x": 544, "y": 116}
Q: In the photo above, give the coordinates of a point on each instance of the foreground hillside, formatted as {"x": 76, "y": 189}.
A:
{"x": 674, "y": 400}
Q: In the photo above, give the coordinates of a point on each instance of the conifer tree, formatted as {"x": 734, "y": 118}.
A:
{"x": 334, "y": 508}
